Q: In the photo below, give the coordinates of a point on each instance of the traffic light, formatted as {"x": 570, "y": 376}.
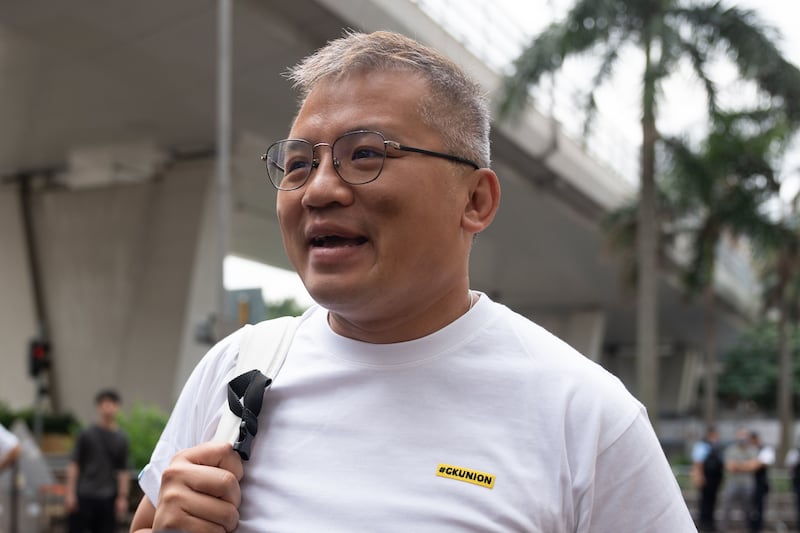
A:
{"x": 38, "y": 357}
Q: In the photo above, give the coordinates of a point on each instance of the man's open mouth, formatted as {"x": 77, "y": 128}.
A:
{"x": 333, "y": 241}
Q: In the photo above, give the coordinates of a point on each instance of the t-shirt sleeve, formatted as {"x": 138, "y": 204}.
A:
{"x": 635, "y": 488}
{"x": 196, "y": 413}
{"x": 8, "y": 441}
{"x": 700, "y": 451}
{"x": 766, "y": 456}
{"x": 792, "y": 458}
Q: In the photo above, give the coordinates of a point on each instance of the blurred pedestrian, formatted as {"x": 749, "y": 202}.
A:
{"x": 97, "y": 474}
{"x": 764, "y": 459}
{"x": 707, "y": 473}
{"x": 740, "y": 463}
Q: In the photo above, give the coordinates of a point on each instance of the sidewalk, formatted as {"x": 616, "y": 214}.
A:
{"x": 780, "y": 513}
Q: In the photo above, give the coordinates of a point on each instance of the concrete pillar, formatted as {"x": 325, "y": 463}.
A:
{"x": 205, "y": 277}
{"x": 586, "y": 331}
{"x": 17, "y": 320}
{"x": 583, "y": 330}
{"x": 117, "y": 265}
{"x": 690, "y": 379}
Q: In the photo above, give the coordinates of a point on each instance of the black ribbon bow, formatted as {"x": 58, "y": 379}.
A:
{"x": 245, "y": 395}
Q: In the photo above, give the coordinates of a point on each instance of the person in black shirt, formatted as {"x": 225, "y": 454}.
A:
{"x": 766, "y": 457}
{"x": 97, "y": 474}
{"x": 707, "y": 474}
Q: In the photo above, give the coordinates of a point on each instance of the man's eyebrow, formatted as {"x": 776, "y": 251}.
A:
{"x": 384, "y": 130}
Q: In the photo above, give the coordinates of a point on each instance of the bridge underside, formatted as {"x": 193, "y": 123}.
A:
{"x": 112, "y": 117}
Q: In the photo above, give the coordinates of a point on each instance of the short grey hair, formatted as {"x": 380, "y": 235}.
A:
{"x": 457, "y": 106}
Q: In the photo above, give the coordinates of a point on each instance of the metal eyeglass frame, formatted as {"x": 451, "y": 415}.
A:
{"x": 394, "y": 144}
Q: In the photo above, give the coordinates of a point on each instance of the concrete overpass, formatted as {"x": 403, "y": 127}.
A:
{"x": 108, "y": 113}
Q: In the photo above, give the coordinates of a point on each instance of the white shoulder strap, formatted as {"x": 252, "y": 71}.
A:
{"x": 263, "y": 347}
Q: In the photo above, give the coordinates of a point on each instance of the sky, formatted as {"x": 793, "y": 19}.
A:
{"x": 683, "y": 110}
{"x": 276, "y": 284}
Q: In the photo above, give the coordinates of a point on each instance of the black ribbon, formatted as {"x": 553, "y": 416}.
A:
{"x": 245, "y": 395}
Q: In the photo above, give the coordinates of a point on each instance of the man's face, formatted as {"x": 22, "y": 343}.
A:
{"x": 399, "y": 246}
{"x": 108, "y": 409}
{"x": 742, "y": 438}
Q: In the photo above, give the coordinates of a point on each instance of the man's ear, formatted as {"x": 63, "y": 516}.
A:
{"x": 483, "y": 200}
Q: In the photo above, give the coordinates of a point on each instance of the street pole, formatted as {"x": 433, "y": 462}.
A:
{"x": 224, "y": 53}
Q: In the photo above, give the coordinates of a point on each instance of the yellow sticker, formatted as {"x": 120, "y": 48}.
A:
{"x": 459, "y": 473}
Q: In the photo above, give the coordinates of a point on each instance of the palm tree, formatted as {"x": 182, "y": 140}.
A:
{"x": 666, "y": 32}
{"x": 621, "y": 228}
{"x": 780, "y": 273}
{"x": 721, "y": 189}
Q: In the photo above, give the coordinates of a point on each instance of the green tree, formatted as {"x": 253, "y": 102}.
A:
{"x": 286, "y": 307}
{"x": 780, "y": 273}
{"x": 143, "y": 426}
{"x": 666, "y": 32}
{"x": 750, "y": 370}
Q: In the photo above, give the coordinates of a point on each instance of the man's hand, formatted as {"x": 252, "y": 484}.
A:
{"x": 70, "y": 502}
{"x": 71, "y": 498}
{"x": 696, "y": 474}
{"x": 200, "y": 490}
{"x": 121, "y": 507}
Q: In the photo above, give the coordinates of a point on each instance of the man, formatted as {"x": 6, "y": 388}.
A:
{"x": 707, "y": 472}
{"x": 407, "y": 401}
{"x": 10, "y": 448}
{"x": 764, "y": 459}
{"x": 97, "y": 474}
{"x": 740, "y": 463}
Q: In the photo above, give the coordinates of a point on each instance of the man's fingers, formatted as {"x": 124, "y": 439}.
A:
{"x": 200, "y": 513}
{"x": 232, "y": 462}
{"x": 200, "y": 490}
{"x": 210, "y": 480}
{"x": 218, "y": 454}
{"x": 210, "y": 509}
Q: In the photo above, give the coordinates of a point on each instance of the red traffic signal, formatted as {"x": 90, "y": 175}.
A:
{"x": 38, "y": 357}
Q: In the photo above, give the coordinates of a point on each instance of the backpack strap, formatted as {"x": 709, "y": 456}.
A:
{"x": 262, "y": 351}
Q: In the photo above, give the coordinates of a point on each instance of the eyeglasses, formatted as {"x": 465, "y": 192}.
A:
{"x": 358, "y": 158}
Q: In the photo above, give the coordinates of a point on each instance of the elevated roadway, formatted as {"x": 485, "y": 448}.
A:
{"x": 108, "y": 112}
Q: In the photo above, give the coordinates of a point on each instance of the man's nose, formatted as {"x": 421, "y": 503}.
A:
{"x": 319, "y": 153}
{"x": 324, "y": 184}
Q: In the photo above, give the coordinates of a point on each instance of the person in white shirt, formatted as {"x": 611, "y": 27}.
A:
{"x": 10, "y": 448}
{"x": 408, "y": 402}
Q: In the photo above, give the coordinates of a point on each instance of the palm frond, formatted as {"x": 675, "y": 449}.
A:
{"x": 603, "y": 73}
{"x": 750, "y": 43}
{"x": 542, "y": 56}
{"x": 699, "y": 59}
{"x": 722, "y": 184}
{"x": 545, "y": 54}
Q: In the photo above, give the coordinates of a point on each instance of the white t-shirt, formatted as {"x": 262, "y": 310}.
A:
{"x": 766, "y": 456}
{"x": 490, "y": 424}
{"x": 792, "y": 457}
{"x": 8, "y": 441}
